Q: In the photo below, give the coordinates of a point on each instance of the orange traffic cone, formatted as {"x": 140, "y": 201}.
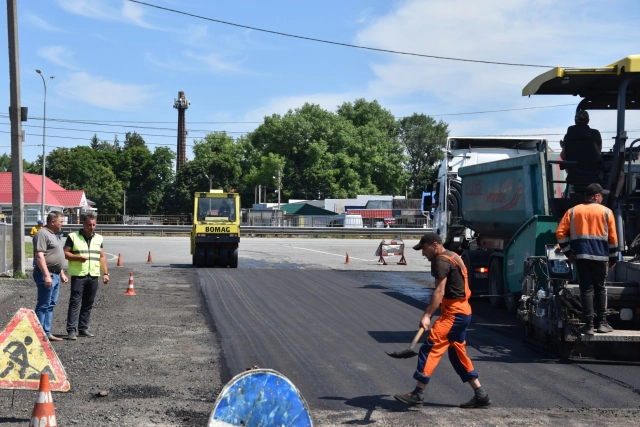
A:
{"x": 43, "y": 412}
{"x": 348, "y": 261}
{"x": 149, "y": 260}
{"x": 119, "y": 264}
{"x": 130, "y": 292}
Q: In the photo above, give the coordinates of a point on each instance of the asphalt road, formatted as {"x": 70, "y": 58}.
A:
{"x": 293, "y": 305}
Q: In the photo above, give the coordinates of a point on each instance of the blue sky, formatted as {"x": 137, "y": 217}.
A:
{"x": 115, "y": 61}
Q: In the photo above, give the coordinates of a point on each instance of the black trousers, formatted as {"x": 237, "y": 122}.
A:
{"x": 83, "y": 293}
{"x": 593, "y": 293}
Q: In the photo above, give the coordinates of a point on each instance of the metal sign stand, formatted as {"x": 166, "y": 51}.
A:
{"x": 394, "y": 248}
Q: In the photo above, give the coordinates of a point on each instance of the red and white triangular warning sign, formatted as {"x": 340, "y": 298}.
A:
{"x": 25, "y": 353}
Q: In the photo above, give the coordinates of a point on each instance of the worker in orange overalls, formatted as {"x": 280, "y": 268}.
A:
{"x": 448, "y": 332}
{"x": 587, "y": 236}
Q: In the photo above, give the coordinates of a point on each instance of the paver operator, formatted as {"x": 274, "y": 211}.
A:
{"x": 83, "y": 250}
{"x": 48, "y": 270}
{"x": 587, "y": 236}
{"x": 582, "y": 145}
{"x": 448, "y": 332}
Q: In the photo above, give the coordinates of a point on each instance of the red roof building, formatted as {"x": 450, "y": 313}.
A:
{"x": 56, "y": 197}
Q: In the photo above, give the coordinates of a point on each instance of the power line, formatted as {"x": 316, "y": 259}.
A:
{"x": 108, "y": 122}
{"x": 338, "y": 43}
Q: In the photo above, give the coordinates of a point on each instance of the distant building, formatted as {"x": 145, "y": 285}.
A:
{"x": 56, "y": 198}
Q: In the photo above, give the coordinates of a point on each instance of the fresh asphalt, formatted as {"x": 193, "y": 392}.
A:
{"x": 294, "y": 306}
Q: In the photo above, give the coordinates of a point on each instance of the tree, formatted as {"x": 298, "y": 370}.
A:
{"x": 28, "y": 167}
{"x": 78, "y": 168}
{"x": 331, "y": 155}
{"x": 424, "y": 140}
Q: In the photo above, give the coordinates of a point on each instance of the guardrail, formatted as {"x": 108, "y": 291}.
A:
{"x": 163, "y": 230}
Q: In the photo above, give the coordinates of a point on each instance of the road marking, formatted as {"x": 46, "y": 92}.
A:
{"x": 113, "y": 256}
{"x": 329, "y": 253}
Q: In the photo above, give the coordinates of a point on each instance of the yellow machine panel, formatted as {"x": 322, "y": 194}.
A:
{"x": 215, "y": 235}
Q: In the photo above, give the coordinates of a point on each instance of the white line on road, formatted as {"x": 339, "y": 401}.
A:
{"x": 329, "y": 253}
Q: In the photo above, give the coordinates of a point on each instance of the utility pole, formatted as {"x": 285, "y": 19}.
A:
{"x": 124, "y": 206}
{"x": 279, "y": 176}
{"x": 44, "y": 140}
{"x": 15, "y": 115}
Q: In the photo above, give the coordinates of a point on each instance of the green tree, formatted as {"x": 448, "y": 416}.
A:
{"x": 424, "y": 140}
{"x": 78, "y": 168}
{"x": 332, "y": 155}
{"x": 28, "y": 167}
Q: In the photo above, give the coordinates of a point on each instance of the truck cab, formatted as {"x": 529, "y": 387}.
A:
{"x": 466, "y": 151}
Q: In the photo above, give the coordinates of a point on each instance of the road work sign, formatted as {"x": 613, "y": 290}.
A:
{"x": 25, "y": 353}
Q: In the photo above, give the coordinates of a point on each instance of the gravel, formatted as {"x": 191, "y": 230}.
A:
{"x": 154, "y": 360}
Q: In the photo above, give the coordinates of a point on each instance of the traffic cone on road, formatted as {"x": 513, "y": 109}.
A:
{"x": 43, "y": 413}
{"x": 130, "y": 292}
{"x": 149, "y": 260}
{"x": 119, "y": 264}
{"x": 348, "y": 261}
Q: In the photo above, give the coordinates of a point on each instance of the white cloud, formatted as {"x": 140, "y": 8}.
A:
{"x": 58, "y": 55}
{"x": 216, "y": 62}
{"x": 38, "y": 22}
{"x": 107, "y": 10}
{"x": 518, "y": 31}
{"x": 100, "y": 92}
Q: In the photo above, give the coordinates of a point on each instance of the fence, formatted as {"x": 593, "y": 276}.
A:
{"x": 6, "y": 248}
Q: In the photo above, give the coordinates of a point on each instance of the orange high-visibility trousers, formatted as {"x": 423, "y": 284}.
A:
{"x": 447, "y": 334}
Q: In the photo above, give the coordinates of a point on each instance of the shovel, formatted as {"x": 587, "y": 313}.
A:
{"x": 408, "y": 353}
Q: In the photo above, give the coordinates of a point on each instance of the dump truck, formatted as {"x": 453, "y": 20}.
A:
{"x": 215, "y": 235}
{"x": 514, "y": 207}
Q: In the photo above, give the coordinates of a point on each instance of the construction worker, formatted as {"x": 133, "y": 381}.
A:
{"x": 582, "y": 145}
{"x": 37, "y": 227}
{"x": 587, "y": 236}
{"x": 448, "y": 332}
{"x": 83, "y": 250}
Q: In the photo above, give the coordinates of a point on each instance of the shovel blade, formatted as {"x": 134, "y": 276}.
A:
{"x": 404, "y": 354}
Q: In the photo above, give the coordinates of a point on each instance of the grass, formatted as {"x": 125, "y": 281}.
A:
{"x": 28, "y": 249}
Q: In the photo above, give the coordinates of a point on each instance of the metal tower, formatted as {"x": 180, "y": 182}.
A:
{"x": 181, "y": 103}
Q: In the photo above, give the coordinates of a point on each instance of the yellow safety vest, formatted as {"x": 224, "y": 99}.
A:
{"x": 90, "y": 267}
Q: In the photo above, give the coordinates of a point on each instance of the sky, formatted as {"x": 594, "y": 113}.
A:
{"x": 118, "y": 65}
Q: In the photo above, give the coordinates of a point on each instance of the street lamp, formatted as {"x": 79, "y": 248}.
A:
{"x": 44, "y": 128}
{"x": 209, "y": 181}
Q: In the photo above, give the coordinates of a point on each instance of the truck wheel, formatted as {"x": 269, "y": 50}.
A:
{"x": 233, "y": 258}
{"x": 496, "y": 283}
{"x": 199, "y": 257}
{"x": 224, "y": 257}
{"x": 211, "y": 257}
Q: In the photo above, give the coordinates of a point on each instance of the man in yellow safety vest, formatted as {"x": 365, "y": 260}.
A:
{"x": 83, "y": 250}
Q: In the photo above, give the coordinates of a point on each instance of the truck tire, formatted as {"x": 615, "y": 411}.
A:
{"x": 496, "y": 283}
{"x": 211, "y": 257}
{"x": 199, "y": 257}
{"x": 224, "y": 257}
{"x": 233, "y": 258}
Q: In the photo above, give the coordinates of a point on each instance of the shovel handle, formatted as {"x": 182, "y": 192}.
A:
{"x": 417, "y": 337}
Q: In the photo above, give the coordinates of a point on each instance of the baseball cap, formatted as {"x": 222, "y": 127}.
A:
{"x": 582, "y": 116}
{"x": 428, "y": 239}
{"x": 595, "y": 189}
{"x": 40, "y": 221}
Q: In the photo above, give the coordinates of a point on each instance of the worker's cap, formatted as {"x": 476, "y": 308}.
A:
{"x": 428, "y": 239}
{"x": 595, "y": 189}
{"x": 582, "y": 116}
{"x": 40, "y": 221}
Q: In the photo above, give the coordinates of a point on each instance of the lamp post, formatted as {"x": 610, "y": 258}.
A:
{"x": 44, "y": 128}
{"x": 209, "y": 181}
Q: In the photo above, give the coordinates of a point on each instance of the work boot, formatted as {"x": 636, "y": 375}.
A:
{"x": 586, "y": 329}
{"x": 86, "y": 334}
{"x": 604, "y": 327}
{"x": 477, "y": 402}
{"x": 72, "y": 336}
{"x": 411, "y": 399}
